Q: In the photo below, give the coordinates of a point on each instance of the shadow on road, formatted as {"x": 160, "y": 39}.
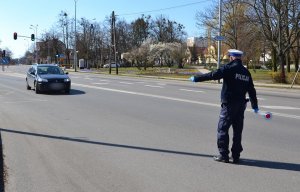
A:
{"x": 244, "y": 162}
{"x": 72, "y": 92}
{"x": 76, "y": 92}
{"x": 271, "y": 164}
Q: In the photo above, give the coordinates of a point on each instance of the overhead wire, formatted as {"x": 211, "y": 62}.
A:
{"x": 163, "y": 9}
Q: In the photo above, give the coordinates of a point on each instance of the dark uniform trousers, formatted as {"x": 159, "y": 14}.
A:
{"x": 232, "y": 114}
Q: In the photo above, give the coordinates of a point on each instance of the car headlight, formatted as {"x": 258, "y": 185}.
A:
{"x": 42, "y": 80}
{"x": 67, "y": 80}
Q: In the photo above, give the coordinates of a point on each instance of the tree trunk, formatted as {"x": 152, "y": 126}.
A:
{"x": 274, "y": 60}
{"x": 282, "y": 62}
{"x": 288, "y": 62}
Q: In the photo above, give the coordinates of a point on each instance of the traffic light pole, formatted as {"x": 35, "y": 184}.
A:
{"x": 33, "y": 38}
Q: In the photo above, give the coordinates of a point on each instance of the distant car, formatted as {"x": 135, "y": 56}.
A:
{"x": 113, "y": 65}
{"x": 47, "y": 77}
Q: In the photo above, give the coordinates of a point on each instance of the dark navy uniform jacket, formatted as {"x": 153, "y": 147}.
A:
{"x": 237, "y": 81}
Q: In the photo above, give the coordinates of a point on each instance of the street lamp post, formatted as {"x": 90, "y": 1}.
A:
{"x": 75, "y": 52}
{"x": 67, "y": 39}
{"x": 34, "y": 27}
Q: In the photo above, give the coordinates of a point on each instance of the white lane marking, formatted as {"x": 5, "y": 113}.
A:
{"x": 154, "y": 86}
{"x": 261, "y": 99}
{"x": 88, "y": 78}
{"x": 162, "y": 84}
{"x": 4, "y": 93}
{"x": 189, "y": 90}
{"x": 25, "y": 101}
{"x": 98, "y": 83}
{"x": 173, "y": 99}
{"x": 281, "y": 107}
{"x": 15, "y": 75}
{"x": 127, "y": 83}
{"x": 147, "y": 95}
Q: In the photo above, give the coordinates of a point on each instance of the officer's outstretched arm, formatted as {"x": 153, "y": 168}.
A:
{"x": 215, "y": 75}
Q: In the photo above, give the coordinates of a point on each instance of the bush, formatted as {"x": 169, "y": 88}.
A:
{"x": 289, "y": 77}
{"x": 276, "y": 77}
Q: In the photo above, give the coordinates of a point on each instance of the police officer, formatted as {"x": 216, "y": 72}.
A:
{"x": 237, "y": 81}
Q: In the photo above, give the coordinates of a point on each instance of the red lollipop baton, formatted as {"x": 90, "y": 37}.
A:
{"x": 266, "y": 115}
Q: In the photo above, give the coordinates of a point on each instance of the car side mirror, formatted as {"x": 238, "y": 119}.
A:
{"x": 67, "y": 72}
{"x": 32, "y": 73}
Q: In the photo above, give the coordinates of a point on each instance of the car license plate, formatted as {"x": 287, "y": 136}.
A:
{"x": 56, "y": 86}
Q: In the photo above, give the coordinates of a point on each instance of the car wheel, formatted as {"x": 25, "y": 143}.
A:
{"x": 67, "y": 91}
{"x": 27, "y": 86}
{"x": 37, "y": 91}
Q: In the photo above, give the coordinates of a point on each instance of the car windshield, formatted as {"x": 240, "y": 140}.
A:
{"x": 49, "y": 70}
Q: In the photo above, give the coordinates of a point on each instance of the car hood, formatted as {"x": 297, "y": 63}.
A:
{"x": 54, "y": 76}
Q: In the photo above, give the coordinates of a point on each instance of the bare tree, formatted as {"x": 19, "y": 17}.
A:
{"x": 238, "y": 31}
{"x": 50, "y": 46}
{"x": 140, "y": 30}
{"x": 165, "y": 30}
{"x": 123, "y": 37}
{"x": 279, "y": 23}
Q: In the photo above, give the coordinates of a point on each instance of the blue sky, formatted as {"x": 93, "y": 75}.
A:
{"x": 18, "y": 15}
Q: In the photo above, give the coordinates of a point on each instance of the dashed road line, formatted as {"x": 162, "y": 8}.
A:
{"x": 261, "y": 99}
{"x": 190, "y": 90}
{"x": 154, "y": 86}
{"x": 98, "y": 83}
{"x": 126, "y": 83}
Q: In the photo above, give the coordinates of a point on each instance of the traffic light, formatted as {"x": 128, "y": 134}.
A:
{"x": 32, "y": 37}
{"x": 15, "y": 36}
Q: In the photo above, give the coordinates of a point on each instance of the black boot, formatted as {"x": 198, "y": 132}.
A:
{"x": 235, "y": 159}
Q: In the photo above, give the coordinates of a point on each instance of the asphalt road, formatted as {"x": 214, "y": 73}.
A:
{"x": 132, "y": 134}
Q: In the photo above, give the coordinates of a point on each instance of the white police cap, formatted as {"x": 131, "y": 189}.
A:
{"x": 235, "y": 52}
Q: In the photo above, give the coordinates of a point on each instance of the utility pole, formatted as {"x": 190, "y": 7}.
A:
{"x": 113, "y": 25}
{"x": 75, "y": 51}
{"x": 219, "y": 34}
